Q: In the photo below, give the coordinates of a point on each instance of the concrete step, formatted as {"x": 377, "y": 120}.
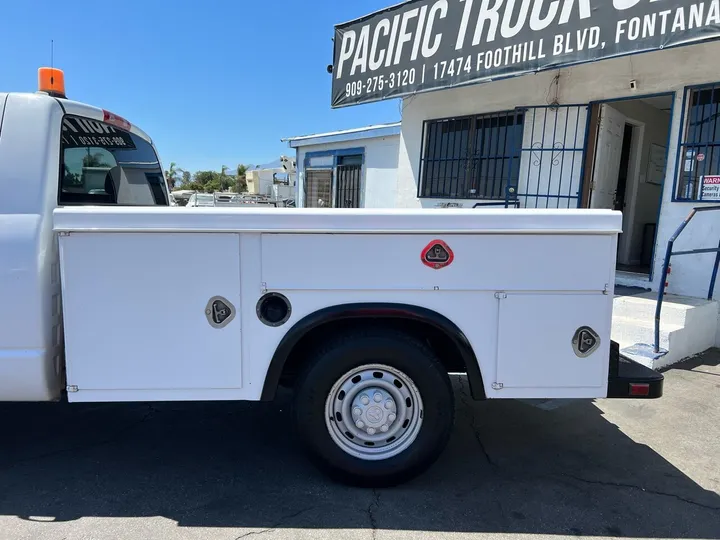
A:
{"x": 688, "y": 326}
{"x": 675, "y": 309}
{"x": 629, "y": 331}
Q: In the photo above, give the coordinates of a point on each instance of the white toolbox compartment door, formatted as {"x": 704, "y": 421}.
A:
{"x": 136, "y": 312}
{"x": 535, "y": 340}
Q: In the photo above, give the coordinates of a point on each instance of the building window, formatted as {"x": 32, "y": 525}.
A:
{"x": 472, "y": 157}
{"x": 699, "y": 163}
{"x": 334, "y": 180}
{"x": 318, "y": 185}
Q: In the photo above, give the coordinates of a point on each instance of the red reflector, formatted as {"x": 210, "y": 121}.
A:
{"x": 115, "y": 120}
{"x": 639, "y": 389}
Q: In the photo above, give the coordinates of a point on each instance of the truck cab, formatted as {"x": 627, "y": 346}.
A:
{"x": 55, "y": 152}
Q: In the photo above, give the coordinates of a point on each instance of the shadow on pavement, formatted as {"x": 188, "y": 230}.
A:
{"x": 509, "y": 468}
{"x": 709, "y": 358}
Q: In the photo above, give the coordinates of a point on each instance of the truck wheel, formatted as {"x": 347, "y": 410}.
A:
{"x": 375, "y": 408}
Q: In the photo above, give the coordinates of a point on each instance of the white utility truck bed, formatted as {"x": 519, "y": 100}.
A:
{"x": 110, "y": 294}
{"x": 520, "y": 284}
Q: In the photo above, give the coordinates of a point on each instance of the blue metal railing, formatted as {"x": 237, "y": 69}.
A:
{"x": 666, "y": 266}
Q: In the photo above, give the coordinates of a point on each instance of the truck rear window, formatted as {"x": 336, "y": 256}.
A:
{"x": 102, "y": 164}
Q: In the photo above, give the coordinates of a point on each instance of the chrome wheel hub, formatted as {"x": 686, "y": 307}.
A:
{"x": 374, "y": 410}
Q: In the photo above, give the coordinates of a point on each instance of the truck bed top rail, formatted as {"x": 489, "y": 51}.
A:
{"x": 337, "y": 221}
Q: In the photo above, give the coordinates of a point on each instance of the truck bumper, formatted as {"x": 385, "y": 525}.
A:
{"x": 631, "y": 380}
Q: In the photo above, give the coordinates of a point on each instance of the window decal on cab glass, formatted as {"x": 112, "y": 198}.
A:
{"x": 81, "y": 132}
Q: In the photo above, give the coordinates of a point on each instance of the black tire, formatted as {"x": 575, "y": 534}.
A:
{"x": 339, "y": 355}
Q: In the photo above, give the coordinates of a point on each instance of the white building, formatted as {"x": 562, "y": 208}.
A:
{"x": 619, "y": 133}
{"x": 634, "y": 132}
{"x": 275, "y": 180}
{"x": 356, "y": 168}
{"x": 624, "y": 133}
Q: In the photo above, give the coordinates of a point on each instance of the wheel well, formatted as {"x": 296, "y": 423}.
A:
{"x": 439, "y": 341}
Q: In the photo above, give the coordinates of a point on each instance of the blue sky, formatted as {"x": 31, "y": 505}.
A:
{"x": 214, "y": 83}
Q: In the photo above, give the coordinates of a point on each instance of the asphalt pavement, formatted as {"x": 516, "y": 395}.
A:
{"x": 641, "y": 469}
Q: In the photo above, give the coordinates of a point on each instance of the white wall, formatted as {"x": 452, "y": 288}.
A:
{"x": 261, "y": 181}
{"x": 379, "y": 169}
{"x": 266, "y": 180}
{"x": 656, "y": 72}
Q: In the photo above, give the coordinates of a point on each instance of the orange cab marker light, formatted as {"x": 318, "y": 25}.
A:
{"x": 51, "y": 81}
{"x": 115, "y": 120}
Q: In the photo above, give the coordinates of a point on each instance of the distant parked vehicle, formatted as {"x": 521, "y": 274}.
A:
{"x": 182, "y": 196}
{"x": 201, "y": 200}
{"x": 229, "y": 200}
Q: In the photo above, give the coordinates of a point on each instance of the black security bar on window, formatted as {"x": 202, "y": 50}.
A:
{"x": 472, "y": 157}
{"x": 699, "y": 160}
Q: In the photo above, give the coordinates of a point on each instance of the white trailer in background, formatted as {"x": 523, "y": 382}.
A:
{"x": 363, "y": 313}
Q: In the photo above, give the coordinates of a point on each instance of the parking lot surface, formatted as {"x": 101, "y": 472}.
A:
{"x": 641, "y": 469}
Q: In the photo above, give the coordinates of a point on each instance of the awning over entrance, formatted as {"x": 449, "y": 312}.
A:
{"x": 423, "y": 45}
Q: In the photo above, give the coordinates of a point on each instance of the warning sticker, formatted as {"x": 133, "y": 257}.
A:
{"x": 437, "y": 254}
{"x": 710, "y": 190}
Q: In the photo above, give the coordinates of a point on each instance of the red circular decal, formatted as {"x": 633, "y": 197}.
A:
{"x": 437, "y": 254}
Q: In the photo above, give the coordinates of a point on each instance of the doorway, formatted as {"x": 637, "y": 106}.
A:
{"x": 630, "y": 151}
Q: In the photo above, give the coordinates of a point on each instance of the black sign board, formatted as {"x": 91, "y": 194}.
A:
{"x": 428, "y": 44}
{"x": 80, "y": 132}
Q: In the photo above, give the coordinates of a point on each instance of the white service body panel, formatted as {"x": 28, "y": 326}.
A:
{"x": 143, "y": 330}
{"x": 136, "y": 283}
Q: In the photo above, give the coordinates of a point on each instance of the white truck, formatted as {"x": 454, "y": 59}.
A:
{"x": 363, "y": 313}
